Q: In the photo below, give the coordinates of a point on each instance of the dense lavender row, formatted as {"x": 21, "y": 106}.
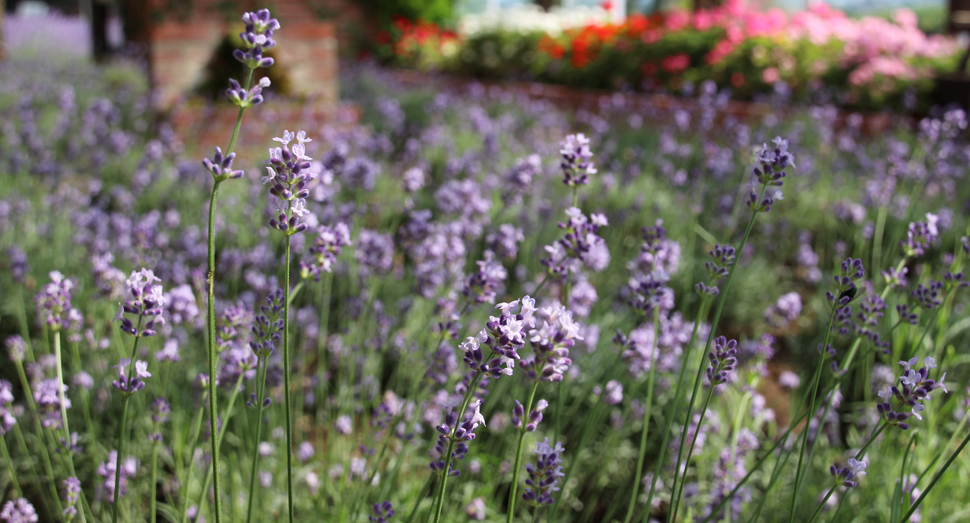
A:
{"x": 477, "y": 306}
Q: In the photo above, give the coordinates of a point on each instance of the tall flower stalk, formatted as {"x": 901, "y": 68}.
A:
{"x": 257, "y": 37}
{"x": 769, "y": 173}
{"x": 288, "y": 176}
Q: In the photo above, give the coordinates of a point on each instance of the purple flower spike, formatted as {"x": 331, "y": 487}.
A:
{"x": 54, "y": 302}
{"x": 382, "y": 512}
{"x": 221, "y": 166}
{"x": 544, "y": 475}
{"x": 257, "y": 37}
{"x": 845, "y": 476}
{"x": 576, "y": 164}
{"x": 18, "y": 511}
{"x": 723, "y": 357}
{"x": 289, "y": 174}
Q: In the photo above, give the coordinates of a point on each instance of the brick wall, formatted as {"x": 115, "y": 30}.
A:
{"x": 179, "y": 36}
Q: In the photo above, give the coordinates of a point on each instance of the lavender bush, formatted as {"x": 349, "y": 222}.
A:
{"x": 476, "y": 305}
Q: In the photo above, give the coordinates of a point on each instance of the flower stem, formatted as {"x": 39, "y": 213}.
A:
{"x": 451, "y": 445}
{"x": 417, "y": 502}
{"x": 818, "y": 509}
{"x": 646, "y": 416}
{"x": 67, "y": 431}
{"x": 48, "y": 470}
{"x": 690, "y": 451}
{"x": 12, "y": 470}
{"x": 122, "y": 433}
{"x": 812, "y": 397}
{"x": 261, "y": 390}
{"x": 188, "y": 466}
{"x": 678, "y": 397}
{"x": 153, "y": 509}
{"x": 672, "y": 516}
{"x": 518, "y": 454}
{"x": 211, "y": 315}
{"x": 936, "y": 478}
{"x": 121, "y": 449}
{"x": 286, "y": 382}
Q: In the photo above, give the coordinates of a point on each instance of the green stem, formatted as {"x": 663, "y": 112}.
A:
{"x": 261, "y": 390}
{"x": 211, "y": 348}
{"x": 678, "y": 397}
{"x": 936, "y": 478}
{"x": 451, "y": 445}
{"x": 812, "y": 396}
{"x": 227, "y": 415}
{"x": 67, "y": 430}
{"x": 122, "y": 433}
{"x": 646, "y": 416}
{"x": 48, "y": 470}
{"x": 518, "y": 454}
{"x": 818, "y": 509}
{"x": 121, "y": 449}
{"x": 690, "y": 451}
{"x": 188, "y": 466}
{"x": 211, "y": 315}
{"x": 153, "y": 509}
{"x": 286, "y": 382}
{"x": 707, "y": 347}
{"x": 417, "y": 501}
{"x": 13, "y": 471}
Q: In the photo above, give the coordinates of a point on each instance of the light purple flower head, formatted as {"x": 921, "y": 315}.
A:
{"x": 7, "y": 419}
{"x": 576, "y": 160}
{"x": 257, "y": 37}
{"x": 147, "y": 302}
{"x": 289, "y": 174}
{"x": 47, "y": 397}
{"x": 54, "y": 302}
{"x": 18, "y": 511}
{"x": 107, "y": 470}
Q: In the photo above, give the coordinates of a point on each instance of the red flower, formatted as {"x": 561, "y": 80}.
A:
{"x": 675, "y": 63}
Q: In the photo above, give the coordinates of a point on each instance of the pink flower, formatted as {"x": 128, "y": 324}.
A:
{"x": 770, "y": 75}
{"x": 675, "y": 63}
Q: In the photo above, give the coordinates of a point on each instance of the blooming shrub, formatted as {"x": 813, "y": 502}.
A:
{"x": 868, "y": 63}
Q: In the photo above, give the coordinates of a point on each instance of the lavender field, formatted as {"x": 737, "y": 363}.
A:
{"x": 473, "y": 305}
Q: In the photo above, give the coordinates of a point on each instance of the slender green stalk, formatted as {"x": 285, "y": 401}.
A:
{"x": 48, "y": 470}
{"x": 121, "y": 449}
{"x": 10, "y": 467}
{"x": 707, "y": 347}
{"x": 939, "y": 454}
{"x": 690, "y": 451}
{"x": 227, "y": 415}
{"x": 646, "y": 415}
{"x": 936, "y": 478}
{"x": 188, "y": 465}
{"x": 261, "y": 390}
{"x": 559, "y": 388}
{"x": 153, "y": 509}
{"x": 211, "y": 315}
{"x": 286, "y": 382}
{"x": 818, "y": 509}
{"x": 67, "y": 430}
{"x": 678, "y": 397}
{"x": 417, "y": 501}
{"x": 122, "y": 432}
{"x": 451, "y": 445}
{"x": 518, "y": 455}
{"x": 812, "y": 397}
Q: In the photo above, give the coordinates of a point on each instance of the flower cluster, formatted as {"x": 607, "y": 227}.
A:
{"x": 243, "y": 98}
{"x": 723, "y": 258}
{"x": 723, "y": 358}
{"x": 551, "y": 343}
{"x": 576, "y": 165}
{"x": 288, "y": 173}
{"x": 18, "y": 511}
{"x": 107, "y": 470}
{"x": 657, "y": 252}
{"x": 504, "y": 335}
{"x": 54, "y": 303}
{"x": 772, "y": 162}
{"x": 220, "y": 166}
{"x": 72, "y": 493}
{"x": 147, "y": 302}
{"x": 919, "y": 236}
{"x": 330, "y": 240}
{"x": 580, "y": 243}
{"x": 7, "y": 419}
{"x": 650, "y": 291}
{"x": 844, "y": 476}
{"x": 544, "y": 476}
{"x": 482, "y": 285}
{"x": 458, "y": 432}
{"x": 268, "y": 325}
{"x": 382, "y": 512}
{"x": 257, "y": 37}
{"x": 914, "y": 387}
{"x": 850, "y": 272}
{"x": 47, "y": 397}
{"x": 160, "y": 410}
{"x": 129, "y": 385}
{"x": 535, "y": 416}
